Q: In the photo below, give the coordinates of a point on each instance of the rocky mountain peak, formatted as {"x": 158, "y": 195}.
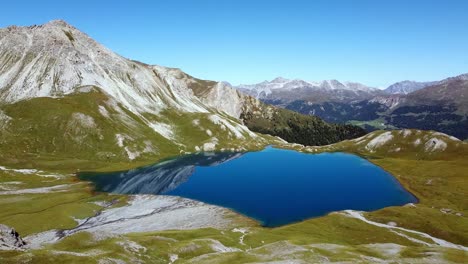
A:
{"x": 279, "y": 80}
{"x": 58, "y": 23}
{"x": 56, "y": 59}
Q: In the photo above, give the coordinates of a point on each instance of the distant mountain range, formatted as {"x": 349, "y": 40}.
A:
{"x": 285, "y": 90}
{"x": 439, "y": 105}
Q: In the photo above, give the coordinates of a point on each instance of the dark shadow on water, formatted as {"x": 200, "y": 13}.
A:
{"x": 159, "y": 178}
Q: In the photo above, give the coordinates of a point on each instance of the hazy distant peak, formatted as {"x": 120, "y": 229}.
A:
{"x": 406, "y": 87}
{"x": 286, "y": 89}
{"x": 461, "y": 77}
{"x": 280, "y": 80}
{"x": 283, "y": 83}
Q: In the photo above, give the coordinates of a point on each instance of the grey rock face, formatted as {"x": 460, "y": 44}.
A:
{"x": 10, "y": 239}
{"x": 56, "y": 59}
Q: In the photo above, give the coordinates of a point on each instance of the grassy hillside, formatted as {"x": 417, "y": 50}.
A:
{"x": 90, "y": 130}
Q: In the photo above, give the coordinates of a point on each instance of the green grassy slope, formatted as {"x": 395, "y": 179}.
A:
{"x": 89, "y": 130}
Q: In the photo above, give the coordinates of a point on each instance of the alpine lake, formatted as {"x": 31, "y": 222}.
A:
{"x": 273, "y": 186}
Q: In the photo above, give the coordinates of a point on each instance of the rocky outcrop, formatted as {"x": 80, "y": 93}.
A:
{"x": 10, "y": 239}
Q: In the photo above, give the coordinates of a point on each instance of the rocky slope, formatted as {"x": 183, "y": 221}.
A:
{"x": 56, "y": 59}
{"x": 62, "y": 93}
{"x": 10, "y": 239}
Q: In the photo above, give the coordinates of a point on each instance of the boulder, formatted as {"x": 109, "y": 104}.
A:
{"x": 10, "y": 239}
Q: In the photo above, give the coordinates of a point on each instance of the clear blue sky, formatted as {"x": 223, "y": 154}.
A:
{"x": 375, "y": 42}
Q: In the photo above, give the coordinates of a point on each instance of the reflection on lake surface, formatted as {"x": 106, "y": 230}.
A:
{"x": 274, "y": 186}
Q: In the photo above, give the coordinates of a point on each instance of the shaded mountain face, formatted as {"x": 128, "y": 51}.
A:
{"x": 406, "y": 87}
{"x": 440, "y": 105}
{"x": 61, "y": 92}
{"x": 452, "y": 90}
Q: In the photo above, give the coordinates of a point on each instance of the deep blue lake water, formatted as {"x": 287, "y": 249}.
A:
{"x": 273, "y": 186}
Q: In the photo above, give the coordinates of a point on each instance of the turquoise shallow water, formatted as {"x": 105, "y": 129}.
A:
{"x": 273, "y": 186}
